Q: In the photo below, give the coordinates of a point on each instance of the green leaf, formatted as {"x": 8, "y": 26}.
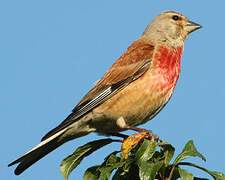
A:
{"x": 72, "y": 161}
{"x": 184, "y": 175}
{"x": 91, "y": 173}
{"x": 130, "y": 172}
{"x": 110, "y": 163}
{"x": 120, "y": 175}
{"x": 189, "y": 150}
{"x": 105, "y": 173}
{"x": 129, "y": 164}
{"x": 214, "y": 174}
{"x": 217, "y": 175}
{"x": 146, "y": 151}
{"x": 111, "y": 159}
{"x": 107, "y": 170}
{"x": 168, "y": 151}
{"x": 148, "y": 170}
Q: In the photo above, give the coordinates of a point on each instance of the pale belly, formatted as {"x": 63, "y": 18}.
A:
{"x": 139, "y": 102}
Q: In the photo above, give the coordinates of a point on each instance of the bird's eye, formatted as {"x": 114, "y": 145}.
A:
{"x": 175, "y": 17}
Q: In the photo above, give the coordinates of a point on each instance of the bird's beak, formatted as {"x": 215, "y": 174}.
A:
{"x": 191, "y": 26}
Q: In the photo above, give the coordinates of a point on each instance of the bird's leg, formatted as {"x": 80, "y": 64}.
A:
{"x": 146, "y": 133}
{"x": 131, "y": 141}
{"x": 139, "y": 129}
{"x": 122, "y": 124}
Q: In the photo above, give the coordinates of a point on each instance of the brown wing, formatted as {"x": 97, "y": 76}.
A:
{"x": 129, "y": 67}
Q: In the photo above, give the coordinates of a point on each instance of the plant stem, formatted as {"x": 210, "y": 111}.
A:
{"x": 171, "y": 173}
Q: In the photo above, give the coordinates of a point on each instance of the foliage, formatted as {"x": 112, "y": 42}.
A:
{"x": 147, "y": 160}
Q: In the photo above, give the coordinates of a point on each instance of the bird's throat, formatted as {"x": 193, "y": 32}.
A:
{"x": 168, "y": 58}
{"x": 167, "y": 61}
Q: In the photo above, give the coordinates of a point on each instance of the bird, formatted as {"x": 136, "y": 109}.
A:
{"x": 133, "y": 90}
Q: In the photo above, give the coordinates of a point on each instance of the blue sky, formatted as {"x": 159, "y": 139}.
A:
{"x": 52, "y": 52}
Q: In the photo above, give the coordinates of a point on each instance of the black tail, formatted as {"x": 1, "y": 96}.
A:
{"x": 37, "y": 153}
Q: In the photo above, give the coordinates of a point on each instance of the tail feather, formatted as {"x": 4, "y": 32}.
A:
{"x": 38, "y": 152}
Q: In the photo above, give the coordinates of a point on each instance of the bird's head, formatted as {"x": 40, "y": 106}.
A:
{"x": 170, "y": 27}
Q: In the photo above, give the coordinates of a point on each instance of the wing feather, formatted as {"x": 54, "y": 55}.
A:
{"x": 129, "y": 67}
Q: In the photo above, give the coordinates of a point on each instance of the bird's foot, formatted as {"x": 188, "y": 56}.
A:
{"x": 148, "y": 133}
{"x": 131, "y": 141}
{"x": 122, "y": 124}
